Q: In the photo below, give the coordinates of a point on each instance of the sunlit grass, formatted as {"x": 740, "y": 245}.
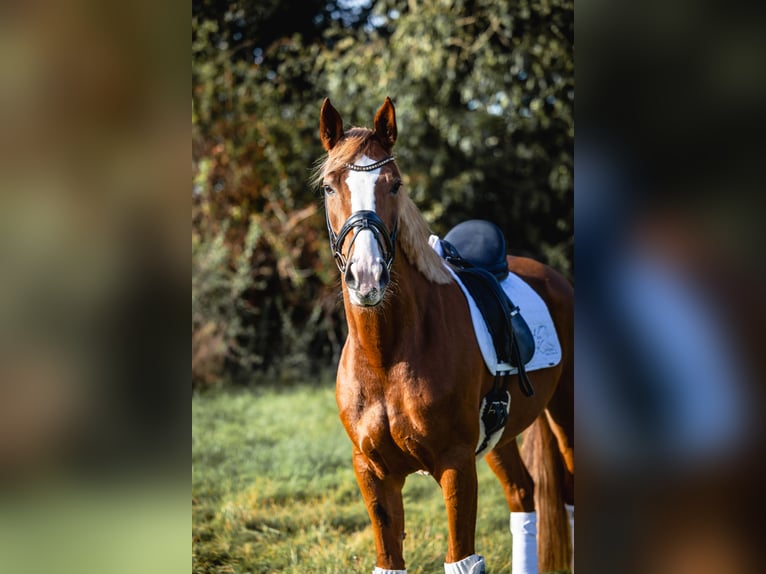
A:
{"x": 274, "y": 491}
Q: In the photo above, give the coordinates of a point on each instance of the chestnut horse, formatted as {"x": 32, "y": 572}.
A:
{"x": 411, "y": 376}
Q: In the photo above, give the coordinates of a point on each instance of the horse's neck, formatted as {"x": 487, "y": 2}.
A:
{"x": 395, "y": 328}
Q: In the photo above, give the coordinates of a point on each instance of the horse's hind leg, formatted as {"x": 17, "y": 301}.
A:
{"x": 560, "y": 411}
{"x": 566, "y": 449}
{"x": 505, "y": 462}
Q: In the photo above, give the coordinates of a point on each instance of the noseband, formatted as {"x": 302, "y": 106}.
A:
{"x": 359, "y": 221}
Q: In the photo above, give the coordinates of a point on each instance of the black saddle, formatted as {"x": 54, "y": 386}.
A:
{"x": 481, "y": 244}
{"x": 476, "y": 250}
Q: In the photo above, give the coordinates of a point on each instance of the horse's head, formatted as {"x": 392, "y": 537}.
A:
{"x": 360, "y": 181}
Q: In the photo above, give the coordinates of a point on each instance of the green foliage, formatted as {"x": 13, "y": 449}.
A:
{"x": 218, "y": 305}
{"x": 484, "y": 97}
{"x": 484, "y": 93}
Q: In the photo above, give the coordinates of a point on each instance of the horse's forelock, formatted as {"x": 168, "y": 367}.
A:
{"x": 355, "y": 142}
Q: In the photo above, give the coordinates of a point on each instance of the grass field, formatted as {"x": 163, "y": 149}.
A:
{"x": 273, "y": 491}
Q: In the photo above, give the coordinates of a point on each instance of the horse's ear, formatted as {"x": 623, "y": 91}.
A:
{"x": 330, "y": 125}
{"x": 385, "y": 123}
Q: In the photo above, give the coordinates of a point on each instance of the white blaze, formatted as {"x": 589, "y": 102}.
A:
{"x": 361, "y": 184}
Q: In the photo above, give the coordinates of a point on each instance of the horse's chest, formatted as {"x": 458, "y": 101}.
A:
{"x": 385, "y": 433}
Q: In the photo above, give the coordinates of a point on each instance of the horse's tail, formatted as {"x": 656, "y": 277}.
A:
{"x": 540, "y": 453}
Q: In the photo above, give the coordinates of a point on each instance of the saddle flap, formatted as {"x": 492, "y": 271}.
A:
{"x": 502, "y": 317}
{"x": 479, "y": 243}
{"x": 524, "y": 338}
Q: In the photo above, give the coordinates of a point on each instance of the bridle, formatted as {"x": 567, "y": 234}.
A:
{"x": 360, "y": 220}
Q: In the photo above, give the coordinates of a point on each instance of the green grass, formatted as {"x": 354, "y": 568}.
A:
{"x": 273, "y": 490}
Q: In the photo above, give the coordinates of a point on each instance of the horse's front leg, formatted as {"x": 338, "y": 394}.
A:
{"x": 383, "y": 498}
{"x": 459, "y": 486}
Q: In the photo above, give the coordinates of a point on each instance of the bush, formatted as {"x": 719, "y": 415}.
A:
{"x": 220, "y": 329}
{"x": 484, "y": 94}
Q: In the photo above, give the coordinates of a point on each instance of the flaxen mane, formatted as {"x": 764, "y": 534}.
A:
{"x": 413, "y": 238}
{"x": 413, "y": 229}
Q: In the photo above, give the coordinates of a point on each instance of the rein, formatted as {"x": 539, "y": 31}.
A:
{"x": 361, "y": 220}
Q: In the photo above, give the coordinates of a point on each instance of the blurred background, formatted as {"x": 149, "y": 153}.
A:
{"x": 484, "y": 95}
{"x": 670, "y": 284}
{"x": 94, "y": 423}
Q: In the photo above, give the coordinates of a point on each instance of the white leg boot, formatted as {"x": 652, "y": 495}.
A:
{"x": 383, "y": 571}
{"x": 524, "y": 543}
{"x": 570, "y": 514}
{"x": 473, "y": 564}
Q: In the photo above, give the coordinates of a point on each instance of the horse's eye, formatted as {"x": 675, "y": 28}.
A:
{"x": 395, "y": 187}
{"x": 328, "y": 190}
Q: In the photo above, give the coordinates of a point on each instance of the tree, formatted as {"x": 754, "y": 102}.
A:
{"x": 484, "y": 94}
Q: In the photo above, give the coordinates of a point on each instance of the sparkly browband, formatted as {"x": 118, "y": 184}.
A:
{"x": 370, "y": 167}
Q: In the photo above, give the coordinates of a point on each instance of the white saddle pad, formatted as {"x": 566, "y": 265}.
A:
{"x": 535, "y": 313}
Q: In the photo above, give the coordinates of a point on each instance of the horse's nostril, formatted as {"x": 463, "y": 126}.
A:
{"x": 380, "y": 269}
{"x": 384, "y": 276}
{"x": 349, "y": 276}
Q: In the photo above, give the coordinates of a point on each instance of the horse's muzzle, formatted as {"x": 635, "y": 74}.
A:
{"x": 366, "y": 283}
